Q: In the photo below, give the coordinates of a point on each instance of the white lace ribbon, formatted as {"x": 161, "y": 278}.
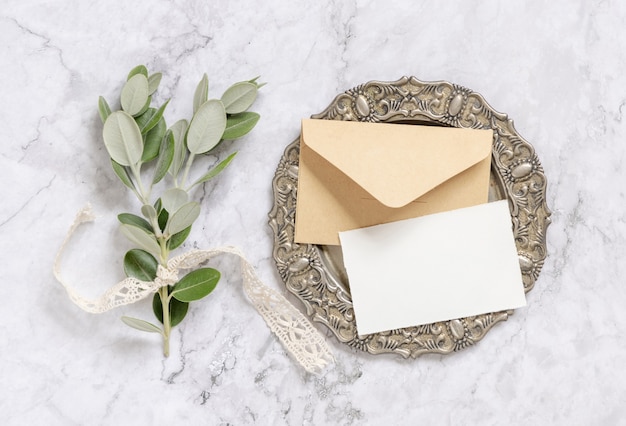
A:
{"x": 291, "y": 327}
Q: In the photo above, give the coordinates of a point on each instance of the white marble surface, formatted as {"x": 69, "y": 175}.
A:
{"x": 557, "y": 68}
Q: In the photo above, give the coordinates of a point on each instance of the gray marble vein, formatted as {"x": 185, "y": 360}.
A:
{"x": 556, "y": 68}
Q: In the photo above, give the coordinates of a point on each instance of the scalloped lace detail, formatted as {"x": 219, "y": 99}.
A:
{"x": 305, "y": 343}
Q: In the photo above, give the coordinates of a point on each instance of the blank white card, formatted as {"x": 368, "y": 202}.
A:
{"x": 433, "y": 268}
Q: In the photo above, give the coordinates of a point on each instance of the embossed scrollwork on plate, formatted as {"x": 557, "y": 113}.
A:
{"x": 315, "y": 273}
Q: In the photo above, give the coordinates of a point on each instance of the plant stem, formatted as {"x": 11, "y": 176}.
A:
{"x": 167, "y": 328}
{"x": 164, "y": 295}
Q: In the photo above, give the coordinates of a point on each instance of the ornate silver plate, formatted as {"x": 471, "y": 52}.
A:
{"x": 315, "y": 274}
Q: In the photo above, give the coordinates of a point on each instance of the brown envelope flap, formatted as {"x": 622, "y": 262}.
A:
{"x": 396, "y": 163}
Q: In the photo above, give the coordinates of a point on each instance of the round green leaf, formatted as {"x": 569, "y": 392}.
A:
{"x": 140, "y": 264}
{"x": 179, "y": 129}
{"x": 143, "y": 239}
{"x": 122, "y": 138}
{"x": 239, "y": 97}
{"x": 238, "y": 125}
{"x": 183, "y": 218}
{"x": 122, "y": 173}
{"x": 166, "y": 156}
{"x": 207, "y": 127}
{"x": 177, "y": 239}
{"x": 139, "y": 69}
{"x": 178, "y": 310}
{"x": 196, "y": 284}
{"x": 149, "y": 212}
{"x": 153, "y": 82}
{"x": 134, "y": 220}
{"x": 173, "y": 199}
{"x": 135, "y": 94}
{"x": 153, "y": 141}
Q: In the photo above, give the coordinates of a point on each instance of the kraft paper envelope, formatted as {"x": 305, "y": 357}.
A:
{"x": 433, "y": 268}
{"x": 355, "y": 174}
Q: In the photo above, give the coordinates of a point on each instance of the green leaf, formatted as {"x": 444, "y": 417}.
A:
{"x": 139, "y": 236}
{"x": 133, "y": 220}
{"x": 178, "y": 238}
{"x": 135, "y": 94}
{"x": 103, "y": 109}
{"x": 149, "y": 212}
{"x": 207, "y": 127}
{"x": 163, "y": 217}
{"x": 215, "y": 170}
{"x": 140, "y": 264}
{"x": 139, "y": 69}
{"x": 201, "y": 94}
{"x": 196, "y": 284}
{"x": 143, "y": 119}
{"x": 122, "y": 138}
{"x": 183, "y": 218}
{"x": 179, "y": 129}
{"x": 153, "y": 82}
{"x": 239, "y": 97}
{"x": 153, "y": 141}
{"x": 166, "y": 155}
{"x": 173, "y": 199}
{"x": 178, "y": 310}
{"x": 258, "y": 85}
{"x": 155, "y": 118}
{"x": 141, "y": 325}
{"x": 122, "y": 173}
{"x": 238, "y": 125}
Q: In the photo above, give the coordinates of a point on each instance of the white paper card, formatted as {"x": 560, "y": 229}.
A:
{"x": 433, "y": 268}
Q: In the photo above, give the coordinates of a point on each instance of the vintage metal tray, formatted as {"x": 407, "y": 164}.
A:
{"x": 315, "y": 274}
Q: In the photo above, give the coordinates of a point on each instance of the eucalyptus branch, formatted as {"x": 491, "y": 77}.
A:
{"x": 137, "y": 134}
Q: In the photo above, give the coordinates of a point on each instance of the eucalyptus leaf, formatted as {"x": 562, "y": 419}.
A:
{"x": 166, "y": 155}
{"x": 238, "y": 125}
{"x": 143, "y": 239}
{"x": 155, "y": 118}
{"x": 196, "y": 285}
{"x": 258, "y": 85}
{"x": 179, "y": 129}
{"x": 135, "y": 94}
{"x": 145, "y": 107}
{"x": 216, "y": 170}
{"x": 141, "y": 265}
{"x": 201, "y": 94}
{"x": 178, "y": 309}
{"x": 182, "y": 218}
{"x": 143, "y": 119}
{"x": 162, "y": 219}
{"x": 103, "y": 109}
{"x": 153, "y": 82}
{"x": 239, "y": 97}
{"x": 207, "y": 127}
{"x": 122, "y": 173}
{"x": 153, "y": 141}
{"x": 173, "y": 199}
{"x": 141, "y": 325}
{"x": 178, "y": 238}
{"x": 139, "y": 69}
{"x": 149, "y": 213}
{"x": 134, "y": 220}
{"x": 122, "y": 138}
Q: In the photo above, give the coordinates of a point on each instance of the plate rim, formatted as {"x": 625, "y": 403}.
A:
{"x": 518, "y": 171}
